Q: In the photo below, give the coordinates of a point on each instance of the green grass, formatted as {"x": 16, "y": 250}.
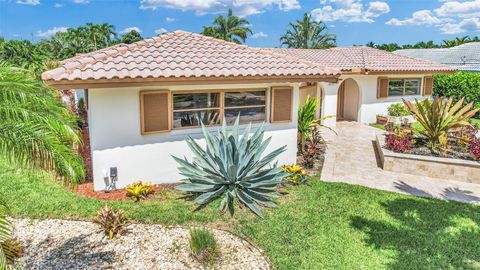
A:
{"x": 322, "y": 226}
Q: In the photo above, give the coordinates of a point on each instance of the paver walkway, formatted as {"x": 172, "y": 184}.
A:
{"x": 351, "y": 158}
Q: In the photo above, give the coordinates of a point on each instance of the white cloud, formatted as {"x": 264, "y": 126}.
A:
{"x": 58, "y": 5}
{"x": 421, "y": 17}
{"x": 170, "y": 19}
{"x": 130, "y": 29}
{"x": 466, "y": 25}
{"x": 241, "y": 7}
{"x": 81, "y": 1}
{"x": 51, "y": 32}
{"x": 350, "y": 11}
{"x": 259, "y": 35}
{"x": 160, "y": 31}
{"x": 28, "y": 2}
{"x": 451, "y": 17}
{"x": 467, "y": 9}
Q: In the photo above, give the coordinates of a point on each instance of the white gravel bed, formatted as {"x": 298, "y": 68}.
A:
{"x": 65, "y": 244}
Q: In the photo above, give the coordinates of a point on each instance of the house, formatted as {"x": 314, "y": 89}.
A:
{"x": 145, "y": 98}
{"x": 371, "y": 80}
{"x": 465, "y": 57}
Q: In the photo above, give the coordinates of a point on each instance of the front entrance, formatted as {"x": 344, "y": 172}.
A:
{"x": 348, "y": 99}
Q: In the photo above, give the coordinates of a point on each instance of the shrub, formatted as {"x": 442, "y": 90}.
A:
{"x": 460, "y": 85}
{"x": 474, "y": 148}
{"x": 232, "y": 167}
{"x": 398, "y": 141}
{"x": 398, "y": 109}
{"x": 139, "y": 191}
{"x": 297, "y": 175}
{"x": 306, "y": 117}
{"x": 203, "y": 246}
{"x": 5, "y": 232}
{"x": 12, "y": 250}
{"x": 314, "y": 145}
{"x": 438, "y": 117}
{"x": 112, "y": 222}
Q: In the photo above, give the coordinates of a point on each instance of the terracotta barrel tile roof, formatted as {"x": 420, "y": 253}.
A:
{"x": 182, "y": 54}
{"x": 362, "y": 57}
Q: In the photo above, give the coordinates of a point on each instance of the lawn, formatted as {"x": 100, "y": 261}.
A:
{"x": 321, "y": 226}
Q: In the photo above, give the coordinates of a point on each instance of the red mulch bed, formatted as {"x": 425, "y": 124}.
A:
{"x": 86, "y": 190}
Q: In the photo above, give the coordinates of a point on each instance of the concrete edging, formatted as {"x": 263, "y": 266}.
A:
{"x": 436, "y": 167}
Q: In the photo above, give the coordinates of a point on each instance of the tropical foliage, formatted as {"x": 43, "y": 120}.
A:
{"x": 233, "y": 168}
{"x": 297, "y": 175}
{"x": 5, "y": 232}
{"x": 36, "y": 129}
{"x": 113, "y": 222}
{"x": 437, "y": 117}
{"x": 308, "y": 34}
{"x": 447, "y": 43}
{"x": 306, "y": 117}
{"x": 398, "y": 109}
{"x": 131, "y": 37}
{"x": 230, "y": 28}
{"x": 139, "y": 190}
{"x": 458, "y": 85}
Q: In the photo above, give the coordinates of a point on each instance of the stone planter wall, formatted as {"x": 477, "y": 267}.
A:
{"x": 436, "y": 167}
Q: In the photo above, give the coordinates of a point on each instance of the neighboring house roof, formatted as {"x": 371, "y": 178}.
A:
{"x": 365, "y": 59}
{"x": 181, "y": 55}
{"x": 463, "y": 57}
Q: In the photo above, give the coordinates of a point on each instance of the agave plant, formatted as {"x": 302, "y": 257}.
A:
{"x": 437, "y": 117}
{"x": 231, "y": 167}
{"x": 5, "y": 232}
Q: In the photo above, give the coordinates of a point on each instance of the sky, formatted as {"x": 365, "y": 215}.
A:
{"x": 354, "y": 22}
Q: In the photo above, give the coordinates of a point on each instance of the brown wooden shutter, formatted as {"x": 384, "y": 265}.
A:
{"x": 427, "y": 86}
{"x": 382, "y": 87}
{"x": 155, "y": 111}
{"x": 282, "y": 104}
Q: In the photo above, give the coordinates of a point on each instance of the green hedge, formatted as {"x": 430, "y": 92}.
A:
{"x": 460, "y": 84}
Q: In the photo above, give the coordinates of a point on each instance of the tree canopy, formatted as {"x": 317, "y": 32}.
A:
{"x": 308, "y": 34}
{"x": 447, "y": 43}
{"x": 230, "y": 28}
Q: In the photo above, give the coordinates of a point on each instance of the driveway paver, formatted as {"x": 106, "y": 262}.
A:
{"x": 351, "y": 158}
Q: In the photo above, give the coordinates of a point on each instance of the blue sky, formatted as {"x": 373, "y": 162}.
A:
{"x": 353, "y": 21}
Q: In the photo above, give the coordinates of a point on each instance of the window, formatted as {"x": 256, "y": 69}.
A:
{"x": 402, "y": 87}
{"x": 249, "y": 104}
{"x": 190, "y": 109}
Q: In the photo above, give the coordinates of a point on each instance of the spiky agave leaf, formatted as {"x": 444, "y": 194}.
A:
{"x": 233, "y": 168}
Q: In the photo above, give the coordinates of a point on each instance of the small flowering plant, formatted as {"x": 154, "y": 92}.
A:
{"x": 398, "y": 141}
{"x": 474, "y": 148}
{"x": 297, "y": 175}
{"x": 203, "y": 246}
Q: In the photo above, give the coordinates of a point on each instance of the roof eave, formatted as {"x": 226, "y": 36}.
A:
{"x": 132, "y": 82}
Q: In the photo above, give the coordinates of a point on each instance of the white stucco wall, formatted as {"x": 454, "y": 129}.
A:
{"x": 368, "y": 103}
{"x": 116, "y": 141}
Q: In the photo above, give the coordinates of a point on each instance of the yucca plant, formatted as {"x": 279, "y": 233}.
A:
{"x": 5, "y": 232}
{"x": 231, "y": 167}
{"x": 437, "y": 117}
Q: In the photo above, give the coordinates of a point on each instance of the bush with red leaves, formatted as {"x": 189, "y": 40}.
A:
{"x": 474, "y": 147}
{"x": 398, "y": 143}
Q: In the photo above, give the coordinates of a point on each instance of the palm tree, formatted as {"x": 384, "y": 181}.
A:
{"x": 36, "y": 129}
{"x": 230, "y": 28}
{"x": 5, "y": 233}
{"x": 308, "y": 34}
{"x": 457, "y": 41}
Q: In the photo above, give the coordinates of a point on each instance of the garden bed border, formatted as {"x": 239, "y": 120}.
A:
{"x": 435, "y": 167}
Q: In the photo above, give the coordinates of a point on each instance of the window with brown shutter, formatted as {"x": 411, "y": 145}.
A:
{"x": 281, "y": 107}
{"x": 427, "y": 86}
{"x": 155, "y": 111}
{"x": 382, "y": 87}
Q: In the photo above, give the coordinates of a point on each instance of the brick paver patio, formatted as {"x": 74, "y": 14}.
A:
{"x": 351, "y": 158}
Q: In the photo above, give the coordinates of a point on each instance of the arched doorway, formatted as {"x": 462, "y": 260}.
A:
{"x": 348, "y": 100}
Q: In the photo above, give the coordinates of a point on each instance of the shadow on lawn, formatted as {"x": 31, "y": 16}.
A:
{"x": 426, "y": 234}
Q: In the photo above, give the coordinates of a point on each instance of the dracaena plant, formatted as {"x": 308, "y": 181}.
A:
{"x": 232, "y": 168}
{"x": 439, "y": 116}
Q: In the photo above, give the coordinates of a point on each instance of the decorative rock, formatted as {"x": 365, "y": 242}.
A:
{"x": 62, "y": 244}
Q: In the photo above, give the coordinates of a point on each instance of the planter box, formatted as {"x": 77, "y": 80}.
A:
{"x": 436, "y": 167}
